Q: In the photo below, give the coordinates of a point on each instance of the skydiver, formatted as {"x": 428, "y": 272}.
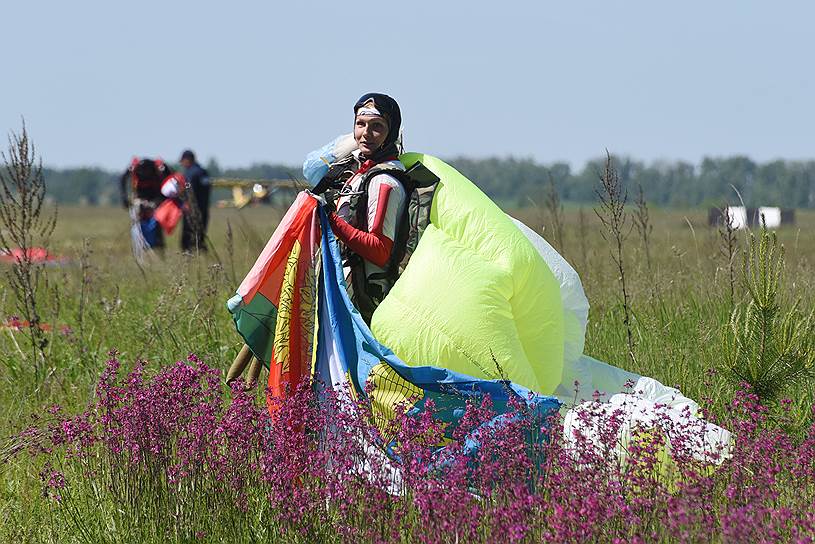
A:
{"x": 365, "y": 201}
{"x": 145, "y": 178}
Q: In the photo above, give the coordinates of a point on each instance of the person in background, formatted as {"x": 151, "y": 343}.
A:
{"x": 144, "y": 178}
{"x": 194, "y": 227}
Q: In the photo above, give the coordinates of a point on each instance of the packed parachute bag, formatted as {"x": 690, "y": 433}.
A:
{"x": 171, "y": 209}
{"x": 419, "y": 185}
{"x": 480, "y": 299}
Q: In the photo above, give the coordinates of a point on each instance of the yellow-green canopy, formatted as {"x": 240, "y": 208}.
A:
{"x": 476, "y": 297}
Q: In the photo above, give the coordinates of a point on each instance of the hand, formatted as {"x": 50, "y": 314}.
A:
{"x": 326, "y": 203}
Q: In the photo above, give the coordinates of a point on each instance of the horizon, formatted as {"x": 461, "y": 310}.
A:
{"x": 452, "y": 159}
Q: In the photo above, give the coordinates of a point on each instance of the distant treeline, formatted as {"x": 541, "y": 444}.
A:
{"x": 96, "y": 186}
{"x": 515, "y": 181}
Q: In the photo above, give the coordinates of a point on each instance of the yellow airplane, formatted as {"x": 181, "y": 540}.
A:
{"x": 250, "y": 191}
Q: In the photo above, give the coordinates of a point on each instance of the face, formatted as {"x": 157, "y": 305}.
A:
{"x": 186, "y": 163}
{"x": 370, "y": 133}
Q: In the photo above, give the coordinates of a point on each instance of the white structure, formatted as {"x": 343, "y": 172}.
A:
{"x": 769, "y": 217}
{"x": 737, "y": 216}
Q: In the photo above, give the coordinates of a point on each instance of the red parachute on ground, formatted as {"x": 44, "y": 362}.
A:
{"x": 33, "y": 254}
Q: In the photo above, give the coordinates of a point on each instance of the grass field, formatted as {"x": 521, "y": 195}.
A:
{"x": 101, "y": 300}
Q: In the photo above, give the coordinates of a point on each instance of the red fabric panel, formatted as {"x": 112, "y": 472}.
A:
{"x": 371, "y": 246}
{"x": 168, "y": 214}
{"x": 381, "y": 209}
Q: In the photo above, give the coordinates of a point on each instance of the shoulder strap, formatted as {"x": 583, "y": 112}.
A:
{"x": 361, "y": 203}
{"x": 338, "y": 173}
{"x": 382, "y": 168}
{"x": 416, "y": 177}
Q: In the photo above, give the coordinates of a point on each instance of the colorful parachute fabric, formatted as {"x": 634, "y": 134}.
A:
{"x": 275, "y": 312}
{"x": 482, "y": 295}
{"x": 274, "y": 309}
{"x": 350, "y": 356}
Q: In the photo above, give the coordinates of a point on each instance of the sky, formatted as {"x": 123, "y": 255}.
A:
{"x": 249, "y": 81}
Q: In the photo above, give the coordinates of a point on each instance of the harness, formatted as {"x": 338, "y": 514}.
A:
{"x": 419, "y": 184}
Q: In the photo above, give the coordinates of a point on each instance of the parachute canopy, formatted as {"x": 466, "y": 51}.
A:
{"x": 482, "y": 297}
{"x": 476, "y": 296}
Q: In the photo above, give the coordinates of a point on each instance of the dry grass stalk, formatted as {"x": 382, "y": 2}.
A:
{"x": 728, "y": 248}
{"x": 583, "y": 232}
{"x": 25, "y": 224}
{"x": 643, "y": 224}
{"x": 615, "y": 229}
{"x": 85, "y": 272}
{"x": 230, "y": 250}
{"x": 555, "y": 211}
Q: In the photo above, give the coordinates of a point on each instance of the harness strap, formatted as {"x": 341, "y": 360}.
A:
{"x": 368, "y": 294}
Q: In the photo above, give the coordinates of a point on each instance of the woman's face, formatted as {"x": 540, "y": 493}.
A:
{"x": 370, "y": 133}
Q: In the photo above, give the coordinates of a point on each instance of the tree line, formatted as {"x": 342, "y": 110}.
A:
{"x": 514, "y": 182}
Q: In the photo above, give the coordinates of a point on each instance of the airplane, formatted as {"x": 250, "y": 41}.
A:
{"x": 255, "y": 191}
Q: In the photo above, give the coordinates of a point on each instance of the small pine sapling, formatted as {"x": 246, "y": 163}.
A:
{"x": 766, "y": 347}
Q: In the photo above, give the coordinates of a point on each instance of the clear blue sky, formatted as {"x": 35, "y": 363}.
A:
{"x": 100, "y": 81}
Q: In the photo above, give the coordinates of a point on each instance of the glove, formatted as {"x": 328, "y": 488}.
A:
{"x": 325, "y": 201}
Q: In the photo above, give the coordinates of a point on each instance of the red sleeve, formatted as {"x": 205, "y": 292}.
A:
{"x": 372, "y": 246}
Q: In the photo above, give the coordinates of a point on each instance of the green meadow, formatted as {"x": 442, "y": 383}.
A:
{"x": 678, "y": 284}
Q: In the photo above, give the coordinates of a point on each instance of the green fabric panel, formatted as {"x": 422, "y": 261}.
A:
{"x": 255, "y": 322}
{"x": 476, "y": 297}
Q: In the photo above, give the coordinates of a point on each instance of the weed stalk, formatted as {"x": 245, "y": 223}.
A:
{"x": 612, "y": 198}
{"x": 555, "y": 211}
{"x": 25, "y": 225}
{"x": 728, "y": 248}
{"x": 642, "y": 222}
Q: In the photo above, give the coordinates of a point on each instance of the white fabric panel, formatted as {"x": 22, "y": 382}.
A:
{"x": 575, "y": 303}
{"x": 649, "y": 406}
